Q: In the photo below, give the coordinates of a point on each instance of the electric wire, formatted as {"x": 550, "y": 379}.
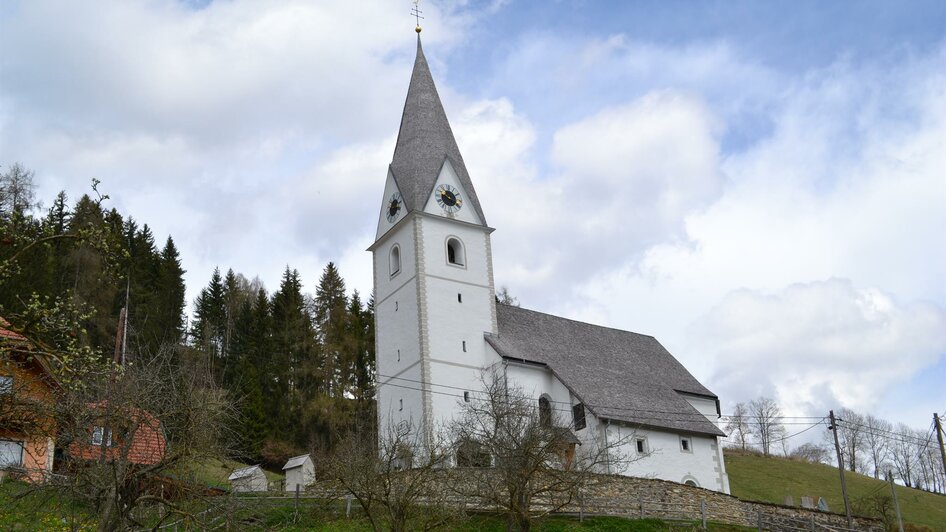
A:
{"x": 796, "y": 420}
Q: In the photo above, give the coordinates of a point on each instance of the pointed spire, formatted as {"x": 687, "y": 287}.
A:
{"x": 425, "y": 141}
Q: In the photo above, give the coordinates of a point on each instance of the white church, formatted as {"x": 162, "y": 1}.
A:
{"x": 439, "y": 324}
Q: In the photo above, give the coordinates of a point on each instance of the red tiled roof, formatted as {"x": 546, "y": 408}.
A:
{"x": 7, "y": 333}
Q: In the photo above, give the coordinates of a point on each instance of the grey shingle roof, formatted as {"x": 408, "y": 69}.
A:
{"x": 619, "y": 375}
{"x": 425, "y": 141}
{"x": 244, "y": 472}
{"x": 295, "y": 461}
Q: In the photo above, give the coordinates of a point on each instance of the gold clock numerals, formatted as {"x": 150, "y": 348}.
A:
{"x": 449, "y": 198}
{"x": 394, "y": 207}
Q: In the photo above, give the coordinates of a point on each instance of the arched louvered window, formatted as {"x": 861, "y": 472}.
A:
{"x": 455, "y": 254}
{"x": 395, "y": 260}
{"x": 545, "y": 411}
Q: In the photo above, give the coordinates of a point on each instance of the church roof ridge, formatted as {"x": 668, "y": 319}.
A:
{"x": 622, "y": 373}
{"x": 579, "y": 322}
{"x": 425, "y": 142}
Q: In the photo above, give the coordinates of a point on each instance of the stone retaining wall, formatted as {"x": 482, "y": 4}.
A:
{"x": 618, "y": 495}
{"x": 642, "y": 497}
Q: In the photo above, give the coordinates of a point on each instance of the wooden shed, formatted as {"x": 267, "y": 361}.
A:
{"x": 300, "y": 471}
{"x": 247, "y": 479}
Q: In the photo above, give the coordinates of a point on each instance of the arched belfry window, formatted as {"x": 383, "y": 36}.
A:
{"x": 395, "y": 259}
{"x": 545, "y": 411}
{"x": 455, "y": 254}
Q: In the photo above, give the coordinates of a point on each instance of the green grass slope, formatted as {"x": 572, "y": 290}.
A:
{"x": 770, "y": 479}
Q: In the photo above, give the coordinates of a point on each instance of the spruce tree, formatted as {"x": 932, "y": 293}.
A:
{"x": 331, "y": 316}
{"x": 293, "y": 344}
{"x": 170, "y": 294}
{"x": 208, "y": 322}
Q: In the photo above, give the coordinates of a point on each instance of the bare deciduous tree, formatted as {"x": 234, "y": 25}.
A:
{"x": 130, "y": 432}
{"x": 811, "y": 452}
{"x": 17, "y": 191}
{"x": 513, "y": 457}
{"x": 394, "y": 478}
{"x": 765, "y": 422}
{"x": 738, "y": 426}
{"x": 851, "y": 434}
{"x": 904, "y": 455}
{"x": 877, "y": 443}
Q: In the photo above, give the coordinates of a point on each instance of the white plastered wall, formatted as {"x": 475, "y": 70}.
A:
{"x": 397, "y": 337}
{"x": 665, "y": 459}
{"x": 459, "y": 310}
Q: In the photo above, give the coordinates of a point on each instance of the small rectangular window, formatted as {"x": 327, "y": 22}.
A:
{"x": 466, "y": 397}
{"x": 395, "y": 306}
{"x": 398, "y": 355}
{"x": 578, "y": 416}
{"x": 11, "y": 453}
{"x": 641, "y": 445}
{"x": 100, "y": 433}
{"x": 685, "y": 445}
{"x": 6, "y": 384}
{"x": 464, "y": 346}
{"x": 459, "y": 298}
{"x": 401, "y": 407}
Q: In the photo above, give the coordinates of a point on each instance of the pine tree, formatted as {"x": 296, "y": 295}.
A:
{"x": 361, "y": 339}
{"x": 209, "y": 322}
{"x": 170, "y": 295}
{"x": 248, "y": 345}
{"x": 56, "y": 223}
{"x": 293, "y": 345}
{"x": 331, "y": 316}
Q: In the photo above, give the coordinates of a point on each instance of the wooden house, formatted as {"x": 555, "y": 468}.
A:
{"x": 27, "y": 399}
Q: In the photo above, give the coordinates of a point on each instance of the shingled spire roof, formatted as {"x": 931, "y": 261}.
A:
{"x": 425, "y": 141}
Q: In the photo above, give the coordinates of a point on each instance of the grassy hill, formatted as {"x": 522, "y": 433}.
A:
{"x": 771, "y": 479}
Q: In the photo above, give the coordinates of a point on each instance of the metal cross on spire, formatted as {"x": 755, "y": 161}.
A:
{"x": 417, "y": 12}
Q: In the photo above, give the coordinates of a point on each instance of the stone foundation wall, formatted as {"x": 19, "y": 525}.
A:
{"x": 636, "y": 497}
{"x": 642, "y": 497}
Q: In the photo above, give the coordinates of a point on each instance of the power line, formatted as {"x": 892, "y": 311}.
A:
{"x": 668, "y": 415}
{"x": 796, "y": 420}
{"x": 642, "y": 415}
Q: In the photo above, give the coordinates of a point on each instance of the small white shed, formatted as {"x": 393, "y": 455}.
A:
{"x": 249, "y": 478}
{"x": 300, "y": 471}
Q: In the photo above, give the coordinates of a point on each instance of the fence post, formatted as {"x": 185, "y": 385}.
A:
{"x": 760, "y": 520}
{"x": 812, "y": 519}
{"x": 640, "y": 505}
{"x": 703, "y": 512}
{"x": 348, "y": 506}
{"x": 581, "y": 508}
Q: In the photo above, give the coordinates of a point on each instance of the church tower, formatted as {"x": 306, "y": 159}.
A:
{"x": 433, "y": 273}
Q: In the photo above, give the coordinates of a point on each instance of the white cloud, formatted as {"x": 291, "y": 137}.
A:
{"x": 848, "y": 185}
{"x": 819, "y": 345}
{"x": 625, "y": 177}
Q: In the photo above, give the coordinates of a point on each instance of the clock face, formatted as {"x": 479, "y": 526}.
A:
{"x": 394, "y": 207}
{"x": 449, "y": 198}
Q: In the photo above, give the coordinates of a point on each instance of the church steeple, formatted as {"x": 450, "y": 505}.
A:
{"x": 425, "y": 142}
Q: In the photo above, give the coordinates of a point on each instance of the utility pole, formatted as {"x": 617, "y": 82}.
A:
{"x": 896, "y": 504}
{"x": 837, "y": 447}
{"x": 939, "y": 436}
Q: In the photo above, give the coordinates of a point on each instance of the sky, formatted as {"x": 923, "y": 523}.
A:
{"x": 759, "y": 185}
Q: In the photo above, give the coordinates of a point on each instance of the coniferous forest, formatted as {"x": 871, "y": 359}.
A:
{"x": 296, "y": 362}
